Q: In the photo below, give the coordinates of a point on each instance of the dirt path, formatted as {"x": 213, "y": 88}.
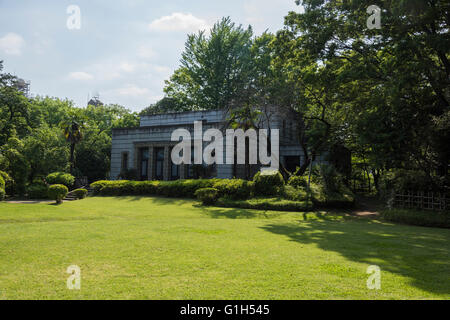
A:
{"x": 368, "y": 207}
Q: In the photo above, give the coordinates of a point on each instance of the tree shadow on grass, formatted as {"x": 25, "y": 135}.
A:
{"x": 230, "y": 213}
{"x": 159, "y": 200}
{"x": 421, "y": 254}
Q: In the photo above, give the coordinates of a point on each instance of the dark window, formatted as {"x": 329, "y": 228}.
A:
{"x": 174, "y": 170}
{"x": 124, "y": 161}
{"x": 144, "y": 156}
{"x": 159, "y": 163}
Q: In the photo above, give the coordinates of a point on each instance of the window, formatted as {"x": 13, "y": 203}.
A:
{"x": 159, "y": 163}
{"x": 174, "y": 170}
{"x": 124, "y": 161}
{"x": 144, "y": 156}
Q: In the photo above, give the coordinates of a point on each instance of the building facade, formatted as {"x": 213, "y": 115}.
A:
{"x": 146, "y": 150}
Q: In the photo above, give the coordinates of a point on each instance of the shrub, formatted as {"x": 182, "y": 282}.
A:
{"x": 418, "y": 218}
{"x": 2, "y": 194}
{"x": 80, "y": 193}
{"x": 57, "y": 192}
{"x": 295, "y": 194}
{"x": 342, "y": 199}
{"x": 298, "y": 181}
{"x": 207, "y": 196}
{"x": 400, "y": 180}
{"x": 330, "y": 178}
{"x": 61, "y": 178}
{"x": 9, "y": 182}
{"x": 275, "y": 204}
{"x": 37, "y": 191}
{"x": 235, "y": 188}
{"x": 268, "y": 183}
{"x": 2, "y": 183}
{"x": 98, "y": 186}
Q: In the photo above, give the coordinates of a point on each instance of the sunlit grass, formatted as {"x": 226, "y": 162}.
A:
{"x": 153, "y": 248}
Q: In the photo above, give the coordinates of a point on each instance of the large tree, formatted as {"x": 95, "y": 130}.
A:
{"x": 385, "y": 88}
{"x": 214, "y": 67}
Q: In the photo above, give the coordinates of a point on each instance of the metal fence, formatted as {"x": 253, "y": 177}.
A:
{"x": 422, "y": 200}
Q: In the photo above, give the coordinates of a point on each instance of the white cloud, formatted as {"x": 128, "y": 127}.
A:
{"x": 127, "y": 67}
{"x": 179, "y": 21}
{"x": 12, "y": 44}
{"x": 133, "y": 90}
{"x": 79, "y": 75}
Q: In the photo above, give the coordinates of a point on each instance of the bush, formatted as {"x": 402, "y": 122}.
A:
{"x": 9, "y": 182}
{"x": 2, "y": 194}
{"x": 2, "y": 183}
{"x": 208, "y": 196}
{"x": 61, "y": 178}
{"x": 330, "y": 178}
{"x": 400, "y": 180}
{"x": 298, "y": 181}
{"x": 235, "y": 188}
{"x": 176, "y": 189}
{"x": 268, "y": 183}
{"x": 57, "y": 192}
{"x": 37, "y": 191}
{"x": 343, "y": 199}
{"x": 418, "y": 218}
{"x": 275, "y": 204}
{"x": 295, "y": 194}
{"x": 80, "y": 193}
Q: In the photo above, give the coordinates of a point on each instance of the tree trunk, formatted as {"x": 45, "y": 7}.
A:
{"x": 72, "y": 152}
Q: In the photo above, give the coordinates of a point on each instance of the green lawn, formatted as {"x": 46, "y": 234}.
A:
{"x": 153, "y": 248}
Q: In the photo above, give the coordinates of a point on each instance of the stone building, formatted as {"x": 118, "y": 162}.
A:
{"x": 146, "y": 150}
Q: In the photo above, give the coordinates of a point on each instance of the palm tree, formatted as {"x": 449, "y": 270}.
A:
{"x": 73, "y": 132}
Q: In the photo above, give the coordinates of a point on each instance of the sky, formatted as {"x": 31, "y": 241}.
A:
{"x": 121, "y": 50}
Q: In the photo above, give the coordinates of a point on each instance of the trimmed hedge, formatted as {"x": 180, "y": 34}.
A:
{"x": 61, "y": 178}
{"x": 37, "y": 191}
{"x": 175, "y": 189}
{"x": 276, "y": 204}
{"x": 208, "y": 196}
{"x": 289, "y": 198}
{"x": 418, "y": 218}
{"x": 57, "y": 192}
{"x": 235, "y": 188}
{"x": 268, "y": 183}
{"x": 2, "y": 194}
{"x": 80, "y": 193}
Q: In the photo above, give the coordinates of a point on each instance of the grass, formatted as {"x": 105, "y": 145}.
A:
{"x": 154, "y": 248}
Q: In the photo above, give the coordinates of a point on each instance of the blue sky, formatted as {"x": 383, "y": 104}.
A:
{"x": 124, "y": 50}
